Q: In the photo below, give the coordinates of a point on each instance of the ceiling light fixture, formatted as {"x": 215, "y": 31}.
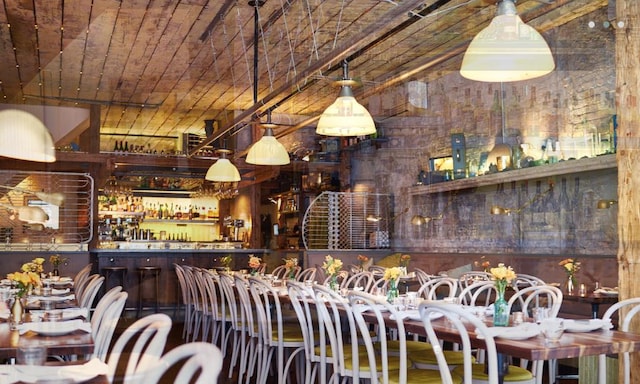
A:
{"x": 268, "y": 150}
{"x": 507, "y": 50}
{"x": 346, "y": 117}
{"x": 23, "y": 136}
{"x": 223, "y": 170}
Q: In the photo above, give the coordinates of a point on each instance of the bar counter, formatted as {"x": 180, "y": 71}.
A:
{"x": 169, "y": 290}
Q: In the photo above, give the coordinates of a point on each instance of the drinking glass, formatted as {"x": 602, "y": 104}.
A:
{"x": 31, "y": 355}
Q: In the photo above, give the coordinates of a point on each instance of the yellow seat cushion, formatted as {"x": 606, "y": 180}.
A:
{"x": 412, "y": 346}
{"x": 422, "y": 376}
{"x": 289, "y": 334}
{"x": 515, "y": 373}
{"x": 393, "y": 363}
{"x": 347, "y": 351}
{"x": 428, "y": 358}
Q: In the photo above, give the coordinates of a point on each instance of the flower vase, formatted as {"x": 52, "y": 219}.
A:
{"x": 254, "y": 271}
{"x": 571, "y": 284}
{"x": 392, "y": 292}
{"x": 500, "y": 314}
{"x": 333, "y": 283}
{"x": 55, "y": 272}
{"x": 17, "y": 311}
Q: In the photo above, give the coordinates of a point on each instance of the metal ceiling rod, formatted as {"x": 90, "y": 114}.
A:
{"x": 349, "y": 46}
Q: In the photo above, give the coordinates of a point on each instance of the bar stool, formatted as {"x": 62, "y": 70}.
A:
{"x": 144, "y": 274}
{"x": 114, "y": 272}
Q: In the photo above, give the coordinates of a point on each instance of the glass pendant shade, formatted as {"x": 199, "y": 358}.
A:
{"x": 507, "y": 50}
{"x": 23, "y": 136}
{"x": 346, "y": 117}
{"x": 223, "y": 170}
{"x": 268, "y": 151}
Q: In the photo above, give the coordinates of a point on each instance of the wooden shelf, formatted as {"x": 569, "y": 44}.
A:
{"x": 542, "y": 171}
{"x": 194, "y": 222}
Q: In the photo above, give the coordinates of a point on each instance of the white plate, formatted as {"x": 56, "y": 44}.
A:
{"x": 519, "y": 332}
{"x": 56, "y": 328}
{"x": 586, "y": 325}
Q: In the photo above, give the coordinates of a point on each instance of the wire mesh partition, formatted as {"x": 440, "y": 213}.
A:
{"x": 348, "y": 220}
{"x": 65, "y": 198}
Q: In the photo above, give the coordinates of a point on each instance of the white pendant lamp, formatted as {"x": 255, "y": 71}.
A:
{"x": 346, "y": 117}
{"x": 223, "y": 170}
{"x": 23, "y": 136}
{"x": 268, "y": 150}
{"x": 507, "y": 50}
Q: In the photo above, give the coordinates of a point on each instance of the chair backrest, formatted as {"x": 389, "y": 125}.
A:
{"x": 422, "y": 276}
{"x": 334, "y": 326}
{"x": 361, "y": 279}
{"x": 472, "y": 277}
{"x": 376, "y": 269}
{"x": 307, "y": 274}
{"x": 627, "y": 310}
{"x": 143, "y": 343}
{"x": 89, "y": 293}
{"x": 301, "y": 299}
{"x": 182, "y": 282}
{"x": 246, "y": 316}
{"x": 197, "y": 363}
{"x": 463, "y": 321}
{"x": 279, "y": 272}
{"x": 105, "y": 319}
{"x": 481, "y": 292}
{"x": 79, "y": 278}
{"x": 438, "y": 287}
{"x": 376, "y": 344}
{"x": 526, "y": 299}
{"x": 523, "y": 280}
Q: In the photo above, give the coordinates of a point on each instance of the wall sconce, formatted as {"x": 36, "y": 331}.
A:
{"x": 499, "y": 210}
{"x": 606, "y": 204}
{"x": 377, "y": 218}
{"x": 419, "y": 220}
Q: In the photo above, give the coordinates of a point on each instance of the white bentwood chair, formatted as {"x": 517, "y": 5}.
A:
{"x": 138, "y": 348}
{"x": 630, "y": 308}
{"x": 197, "y": 363}
{"x": 463, "y": 320}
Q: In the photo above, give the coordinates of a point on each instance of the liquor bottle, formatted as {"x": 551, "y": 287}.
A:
{"x": 115, "y": 146}
{"x": 126, "y": 146}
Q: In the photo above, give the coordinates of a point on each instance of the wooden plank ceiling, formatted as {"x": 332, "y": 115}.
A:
{"x": 159, "y": 68}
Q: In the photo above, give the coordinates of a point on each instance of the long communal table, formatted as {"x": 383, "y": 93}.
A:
{"x": 536, "y": 348}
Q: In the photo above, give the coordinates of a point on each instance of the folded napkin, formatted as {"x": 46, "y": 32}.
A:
{"x": 586, "y": 325}
{"x": 519, "y": 332}
{"x": 57, "y": 291}
{"x": 61, "y": 327}
{"x": 43, "y": 373}
{"x": 414, "y": 314}
{"x": 72, "y": 313}
{"x": 607, "y": 291}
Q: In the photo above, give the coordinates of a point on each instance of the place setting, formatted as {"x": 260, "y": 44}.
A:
{"x": 32, "y": 367}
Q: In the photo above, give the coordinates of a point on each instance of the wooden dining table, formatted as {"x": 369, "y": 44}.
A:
{"x": 593, "y": 299}
{"x": 75, "y": 343}
{"x": 570, "y": 345}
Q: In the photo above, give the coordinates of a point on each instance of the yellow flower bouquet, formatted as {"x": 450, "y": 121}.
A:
{"x": 291, "y": 264}
{"x": 502, "y": 276}
{"x": 24, "y": 281}
{"x": 392, "y": 275}
{"x": 254, "y": 264}
{"x": 331, "y": 267}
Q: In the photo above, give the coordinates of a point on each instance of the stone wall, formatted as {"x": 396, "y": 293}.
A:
{"x": 571, "y": 108}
